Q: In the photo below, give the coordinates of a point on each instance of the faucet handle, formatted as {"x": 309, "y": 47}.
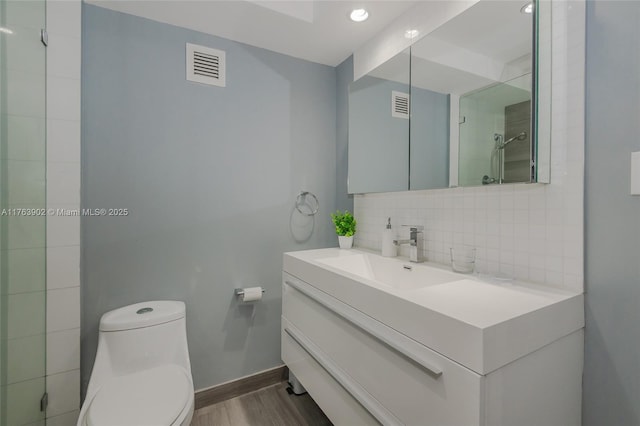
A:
{"x": 416, "y": 228}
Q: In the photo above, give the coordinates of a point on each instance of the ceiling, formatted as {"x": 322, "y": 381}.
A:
{"x": 315, "y": 30}
{"x": 495, "y": 29}
{"x": 487, "y": 43}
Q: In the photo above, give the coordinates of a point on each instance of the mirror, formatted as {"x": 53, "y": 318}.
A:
{"x": 379, "y": 128}
{"x": 495, "y": 130}
{"x": 430, "y": 128}
{"x": 482, "y": 60}
{"x": 472, "y": 114}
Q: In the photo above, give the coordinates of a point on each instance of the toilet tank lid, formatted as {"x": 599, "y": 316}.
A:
{"x": 140, "y": 315}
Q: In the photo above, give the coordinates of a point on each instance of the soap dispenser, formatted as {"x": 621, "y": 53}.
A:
{"x": 388, "y": 248}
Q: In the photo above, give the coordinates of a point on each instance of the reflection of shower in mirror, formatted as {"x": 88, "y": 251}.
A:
{"x": 495, "y": 137}
{"x": 497, "y": 157}
{"x": 500, "y": 145}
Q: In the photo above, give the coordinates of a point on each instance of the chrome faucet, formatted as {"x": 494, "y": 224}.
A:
{"x": 416, "y": 244}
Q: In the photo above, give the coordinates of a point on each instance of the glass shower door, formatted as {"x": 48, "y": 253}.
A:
{"x": 22, "y": 204}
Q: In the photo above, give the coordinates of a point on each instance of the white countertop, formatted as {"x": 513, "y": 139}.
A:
{"x": 454, "y": 314}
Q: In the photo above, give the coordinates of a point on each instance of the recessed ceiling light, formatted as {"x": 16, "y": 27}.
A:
{"x": 5, "y": 30}
{"x": 411, "y": 34}
{"x": 527, "y": 8}
{"x": 359, "y": 15}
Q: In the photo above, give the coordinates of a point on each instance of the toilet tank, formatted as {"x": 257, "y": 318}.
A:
{"x": 141, "y": 336}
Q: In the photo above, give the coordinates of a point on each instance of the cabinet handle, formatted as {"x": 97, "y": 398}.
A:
{"x": 385, "y": 334}
{"x": 363, "y": 397}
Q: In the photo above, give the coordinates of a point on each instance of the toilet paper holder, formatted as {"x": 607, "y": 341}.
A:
{"x": 239, "y": 292}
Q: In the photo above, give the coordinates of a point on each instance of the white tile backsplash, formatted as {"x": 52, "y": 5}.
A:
{"x": 528, "y": 231}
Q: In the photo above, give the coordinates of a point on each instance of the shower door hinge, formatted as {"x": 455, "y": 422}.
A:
{"x": 44, "y": 37}
{"x": 44, "y": 402}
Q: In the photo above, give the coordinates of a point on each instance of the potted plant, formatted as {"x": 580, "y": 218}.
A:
{"x": 345, "y": 228}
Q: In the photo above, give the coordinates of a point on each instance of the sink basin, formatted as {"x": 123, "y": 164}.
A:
{"x": 481, "y": 324}
{"x": 389, "y": 272}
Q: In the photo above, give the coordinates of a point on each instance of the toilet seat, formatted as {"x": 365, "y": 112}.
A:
{"x": 152, "y": 397}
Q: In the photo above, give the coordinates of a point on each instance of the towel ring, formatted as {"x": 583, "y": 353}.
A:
{"x": 301, "y": 200}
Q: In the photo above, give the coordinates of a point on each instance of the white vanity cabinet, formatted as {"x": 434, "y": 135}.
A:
{"x": 362, "y": 368}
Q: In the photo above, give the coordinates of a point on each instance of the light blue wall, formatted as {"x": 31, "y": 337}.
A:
{"x": 209, "y": 176}
{"x": 612, "y": 346}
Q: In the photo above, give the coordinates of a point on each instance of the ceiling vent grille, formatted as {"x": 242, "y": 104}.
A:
{"x": 399, "y": 105}
{"x": 205, "y": 65}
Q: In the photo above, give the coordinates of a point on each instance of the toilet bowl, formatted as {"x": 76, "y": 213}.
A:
{"x": 142, "y": 373}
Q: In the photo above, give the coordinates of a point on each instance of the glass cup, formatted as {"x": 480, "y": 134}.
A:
{"x": 463, "y": 259}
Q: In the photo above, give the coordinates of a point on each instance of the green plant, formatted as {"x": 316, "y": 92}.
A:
{"x": 345, "y": 223}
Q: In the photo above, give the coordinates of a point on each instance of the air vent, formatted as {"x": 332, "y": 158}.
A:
{"x": 205, "y": 65}
{"x": 399, "y": 105}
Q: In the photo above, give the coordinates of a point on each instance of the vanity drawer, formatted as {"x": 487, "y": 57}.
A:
{"x": 335, "y": 401}
{"x": 443, "y": 393}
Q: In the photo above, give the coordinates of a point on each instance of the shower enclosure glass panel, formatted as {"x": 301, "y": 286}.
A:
{"x": 22, "y": 205}
{"x": 495, "y": 143}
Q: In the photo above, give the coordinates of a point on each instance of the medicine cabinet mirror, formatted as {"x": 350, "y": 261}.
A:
{"x": 466, "y": 105}
{"x": 379, "y": 128}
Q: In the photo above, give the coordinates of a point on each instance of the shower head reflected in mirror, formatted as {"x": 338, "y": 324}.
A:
{"x": 500, "y": 145}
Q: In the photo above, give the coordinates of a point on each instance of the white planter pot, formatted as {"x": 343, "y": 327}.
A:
{"x": 345, "y": 242}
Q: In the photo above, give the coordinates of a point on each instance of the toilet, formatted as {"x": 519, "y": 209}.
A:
{"x": 142, "y": 374}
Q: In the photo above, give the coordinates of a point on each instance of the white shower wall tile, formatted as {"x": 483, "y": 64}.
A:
{"x": 64, "y": 392}
{"x": 63, "y": 351}
{"x": 64, "y": 17}
{"x": 67, "y": 419}
{"x": 63, "y": 191}
{"x": 63, "y": 309}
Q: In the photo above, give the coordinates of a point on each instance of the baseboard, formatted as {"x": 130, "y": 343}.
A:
{"x": 241, "y": 386}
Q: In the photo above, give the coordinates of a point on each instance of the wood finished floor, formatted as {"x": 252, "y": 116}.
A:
{"x": 270, "y": 406}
